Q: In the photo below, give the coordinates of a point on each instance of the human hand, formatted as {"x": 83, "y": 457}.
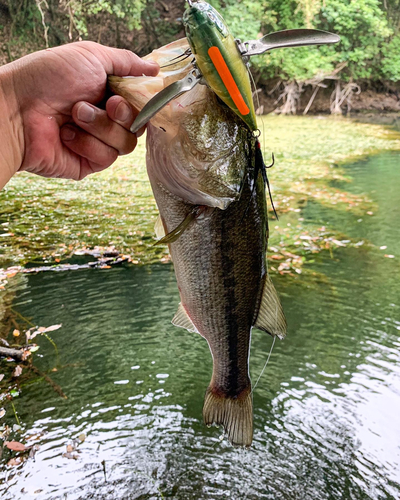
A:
{"x": 63, "y": 133}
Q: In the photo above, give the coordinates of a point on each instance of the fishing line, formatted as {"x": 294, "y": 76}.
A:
{"x": 255, "y": 91}
{"x": 175, "y": 61}
{"x": 265, "y": 366}
{"x": 181, "y": 58}
{"x": 264, "y": 174}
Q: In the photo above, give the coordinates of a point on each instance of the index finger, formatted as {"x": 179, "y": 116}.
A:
{"x": 122, "y": 62}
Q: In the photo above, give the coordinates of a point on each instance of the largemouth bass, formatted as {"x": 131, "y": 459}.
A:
{"x": 201, "y": 165}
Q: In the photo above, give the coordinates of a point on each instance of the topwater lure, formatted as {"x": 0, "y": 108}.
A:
{"x": 221, "y": 61}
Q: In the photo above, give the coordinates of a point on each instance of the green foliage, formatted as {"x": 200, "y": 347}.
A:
{"x": 365, "y": 27}
{"x": 25, "y": 17}
{"x": 362, "y": 26}
{"x": 369, "y": 30}
{"x": 390, "y": 65}
{"x": 296, "y": 64}
{"x": 128, "y": 10}
{"x": 243, "y": 18}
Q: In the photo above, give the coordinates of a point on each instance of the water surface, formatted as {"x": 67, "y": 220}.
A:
{"x": 327, "y": 409}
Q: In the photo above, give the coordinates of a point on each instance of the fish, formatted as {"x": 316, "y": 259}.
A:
{"x": 201, "y": 163}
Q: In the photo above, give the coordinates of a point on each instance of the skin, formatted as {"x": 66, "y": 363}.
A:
{"x": 50, "y": 123}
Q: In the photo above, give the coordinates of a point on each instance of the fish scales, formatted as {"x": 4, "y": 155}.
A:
{"x": 201, "y": 160}
{"x": 220, "y": 270}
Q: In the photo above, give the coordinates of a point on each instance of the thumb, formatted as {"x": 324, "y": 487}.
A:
{"x": 121, "y": 62}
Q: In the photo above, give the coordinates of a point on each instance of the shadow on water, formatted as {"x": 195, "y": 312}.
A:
{"x": 327, "y": 410}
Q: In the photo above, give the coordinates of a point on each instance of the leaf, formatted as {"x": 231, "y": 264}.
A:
{"x": 17, "y": 371}
{"x": 43, "y": 329}
{"x": 16, "y": 333}
{"x": 14, "y": 393}
{"x": 51, "y": 328}
{"x": 15, "y": 446}
{"x": 15, "y": 461}
{"x": 1, "y": 377}
{"x": 276, "y": 257}
{"x": 2, "y": 412}
{"x": 26, "y": 354}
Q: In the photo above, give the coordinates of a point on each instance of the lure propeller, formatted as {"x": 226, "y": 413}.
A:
{"x": 287, "y": 38}
{"x": 164, "y": 97}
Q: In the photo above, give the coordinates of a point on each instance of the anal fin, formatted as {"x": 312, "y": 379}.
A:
{"x": 271, "y": 318}
{"x": 182, "y": 320}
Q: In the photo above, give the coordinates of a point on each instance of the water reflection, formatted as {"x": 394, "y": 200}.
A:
{"x": 327, "y": 410}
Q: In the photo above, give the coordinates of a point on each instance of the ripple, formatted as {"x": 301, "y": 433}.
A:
{"x": 326, "y": 411}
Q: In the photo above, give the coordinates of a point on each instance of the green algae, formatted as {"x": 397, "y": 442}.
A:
{"x": 49, "y": 220}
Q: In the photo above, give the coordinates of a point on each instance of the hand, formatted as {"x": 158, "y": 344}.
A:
{"x": 63, "y": 133}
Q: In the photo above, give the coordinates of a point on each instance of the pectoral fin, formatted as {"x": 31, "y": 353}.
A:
{"x": 185, "y": 224}
{"x": 159, "y": 228}
{"x": 271, "y": 318}
{"x": 182, "y": 320}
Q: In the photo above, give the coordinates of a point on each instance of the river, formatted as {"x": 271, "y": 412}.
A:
{"x": 326, "y": 411}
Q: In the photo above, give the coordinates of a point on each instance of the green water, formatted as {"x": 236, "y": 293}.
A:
{"x": 327, "y": 409}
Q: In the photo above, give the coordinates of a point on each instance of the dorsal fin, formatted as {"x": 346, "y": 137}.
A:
{"x": 159, "y": 228}
{"x": 271, "y": 318}
{"x": 182, "y": 320}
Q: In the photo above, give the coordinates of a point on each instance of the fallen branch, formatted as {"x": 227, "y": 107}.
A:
{"x": 17, "y": 354}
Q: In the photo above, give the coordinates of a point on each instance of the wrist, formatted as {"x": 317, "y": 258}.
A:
{"x": 11, "y": 127}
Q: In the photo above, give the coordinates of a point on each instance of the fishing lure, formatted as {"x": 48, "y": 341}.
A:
{"x": 221, "y": 61}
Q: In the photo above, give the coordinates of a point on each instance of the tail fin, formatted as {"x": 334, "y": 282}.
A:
{"x": 235, "y": 415}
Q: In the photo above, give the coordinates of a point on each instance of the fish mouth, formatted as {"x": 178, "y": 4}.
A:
{"x": 195, "y": 143}
{"x": 138, "y": 90}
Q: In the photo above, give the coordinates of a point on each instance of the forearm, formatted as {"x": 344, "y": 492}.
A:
{"x": 11, "y": 128}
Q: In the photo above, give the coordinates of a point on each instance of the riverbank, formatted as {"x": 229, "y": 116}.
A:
{"x": 55, "y": 221}
{"x": 361, "y": 99}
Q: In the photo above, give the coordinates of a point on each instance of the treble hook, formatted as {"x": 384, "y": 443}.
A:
{"x": 273, "y": 162}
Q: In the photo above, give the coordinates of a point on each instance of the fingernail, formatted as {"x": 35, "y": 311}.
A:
{"x": 85, "y": 113}
{"x": 122, "y": 112}
{"x": 67, "y": 133}
{"x": 154, "y": 67}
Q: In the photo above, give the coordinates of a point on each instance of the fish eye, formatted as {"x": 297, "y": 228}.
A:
{"x": 202, "y": 6}
{"x": 218, "y": 22}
